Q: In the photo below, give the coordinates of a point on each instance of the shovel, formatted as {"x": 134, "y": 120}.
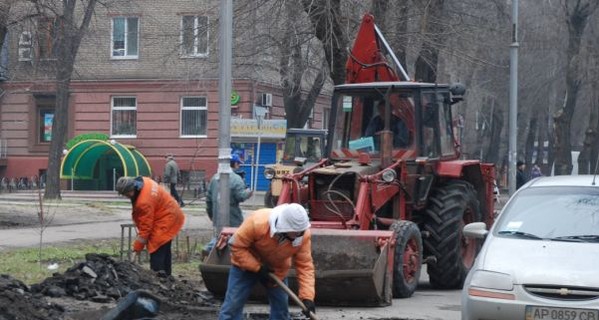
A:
{"x": 291, "y": 294}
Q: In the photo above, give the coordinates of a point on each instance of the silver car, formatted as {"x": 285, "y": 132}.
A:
{"x": 540, "y": 260}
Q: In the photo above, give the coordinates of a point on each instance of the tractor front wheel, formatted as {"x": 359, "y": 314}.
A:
{"x": 449, "y": 209}
{"x": 408, "y": 258}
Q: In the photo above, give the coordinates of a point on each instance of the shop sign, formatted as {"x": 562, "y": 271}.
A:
{"x": 249, "y": 128}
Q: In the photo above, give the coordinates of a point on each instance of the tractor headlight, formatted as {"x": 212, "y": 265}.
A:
{"x": 389, "y": 175}
{"x": 269, "y": 173}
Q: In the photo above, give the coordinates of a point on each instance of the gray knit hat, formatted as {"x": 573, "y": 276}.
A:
{"x": 125, "y": 184}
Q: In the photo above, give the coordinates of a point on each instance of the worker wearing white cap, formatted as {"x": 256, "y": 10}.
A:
{"x": 267, "y": 241}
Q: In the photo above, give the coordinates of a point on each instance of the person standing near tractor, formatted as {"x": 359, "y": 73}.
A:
{"x": 238, "y": 194}
{"x": 267, "y": 242}
{"x": 171, "y": 177}
{"x": 157, "y": 218}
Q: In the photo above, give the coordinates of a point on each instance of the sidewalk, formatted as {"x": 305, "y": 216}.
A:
{"x": 76, "y": 219}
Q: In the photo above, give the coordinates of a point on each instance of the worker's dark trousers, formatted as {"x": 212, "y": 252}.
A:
{"x": 175, "y": 194}
{"x": 161, "y": 259}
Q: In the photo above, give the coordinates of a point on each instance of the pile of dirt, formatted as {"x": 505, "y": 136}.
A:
{"x": 18, "y": 302}
{"x": 102, "y": 279}
{"x": 96, "y": 285}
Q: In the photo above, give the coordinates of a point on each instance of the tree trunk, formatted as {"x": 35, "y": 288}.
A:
{"x": 530, "y": 141}
{"x": 577, "y": 12}
{"x": 292, "y": 66}
{"x": 432, "y": 40}
{"x": 68, "y": 39}
{"x": 541, "y": 137}
{"x": 495, "y": 140}
{"x": 4, "y": 11}
{"x": 586, "y": 160}
{"x": 327, "y": 20}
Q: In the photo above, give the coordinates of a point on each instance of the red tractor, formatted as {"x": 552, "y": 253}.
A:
{"x": 392, "y": 192}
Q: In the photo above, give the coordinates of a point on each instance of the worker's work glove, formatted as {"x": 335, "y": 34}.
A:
{"x": 310, "y": 307}
{"x": 138, "y": 245}
{"x": 263, "y": 272}
{"x": 134, "y": 257}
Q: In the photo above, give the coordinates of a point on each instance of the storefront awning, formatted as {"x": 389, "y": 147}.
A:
{"x": 81, "y": 159}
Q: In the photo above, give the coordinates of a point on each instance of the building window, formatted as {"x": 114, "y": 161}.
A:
{"x": 46, "y": 35}
{"x": 125, "y": 37}
{"x": 194, "y": 116}
{"x": 124, "y": 117}
{"x": 45, "y": 118}
{"x": 194, "y": 36}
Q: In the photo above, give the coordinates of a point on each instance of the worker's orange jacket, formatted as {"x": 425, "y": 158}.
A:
{"x": 157, "y": 216}
{"x": 252, "y": 246}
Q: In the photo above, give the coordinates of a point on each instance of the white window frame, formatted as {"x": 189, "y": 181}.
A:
{"x": 195, "y": 53}
{"x": 126, "y": 56}
{"x": 205, "y": 108}
{"x": 113, "y": 108}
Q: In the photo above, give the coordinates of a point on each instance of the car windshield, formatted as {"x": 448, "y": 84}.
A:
{"x": 552, "y": 213}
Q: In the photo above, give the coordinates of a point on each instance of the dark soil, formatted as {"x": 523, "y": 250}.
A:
{"x": 90, "y": 288}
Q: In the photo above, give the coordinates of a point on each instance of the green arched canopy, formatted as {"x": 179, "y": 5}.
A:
{"x": 81, "y": 159}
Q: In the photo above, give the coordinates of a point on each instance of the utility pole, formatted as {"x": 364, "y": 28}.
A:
{"x": 224, "y": 123}
{"x": 513, "y": 117}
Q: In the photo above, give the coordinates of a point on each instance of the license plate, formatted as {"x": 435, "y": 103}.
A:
{"x": 548, "y": 313}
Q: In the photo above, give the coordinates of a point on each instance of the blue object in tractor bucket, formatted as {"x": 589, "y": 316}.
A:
{"x": 136, "y": 305}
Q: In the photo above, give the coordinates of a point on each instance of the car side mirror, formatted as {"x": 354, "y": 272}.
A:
{"x": 477, "y": 230}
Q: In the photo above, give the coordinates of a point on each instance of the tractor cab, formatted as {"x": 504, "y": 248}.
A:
{"x": 394, "y": 120}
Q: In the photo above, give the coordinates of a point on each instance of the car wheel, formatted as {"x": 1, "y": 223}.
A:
{"x": 449, "y": 209}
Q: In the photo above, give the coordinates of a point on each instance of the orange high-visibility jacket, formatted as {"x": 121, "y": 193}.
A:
{"x": 252, "y": 247}
{"x": 157, "y": 216}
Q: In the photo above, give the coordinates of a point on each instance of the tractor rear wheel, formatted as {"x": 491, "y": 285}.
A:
{"x": 450, "y": 208}
{"x": 407, "y": 262}
{"x": 270, "y": 201}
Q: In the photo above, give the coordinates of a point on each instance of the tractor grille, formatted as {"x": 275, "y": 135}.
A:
{"x": 563, "y": 292}
{"x": 324, "y": 210}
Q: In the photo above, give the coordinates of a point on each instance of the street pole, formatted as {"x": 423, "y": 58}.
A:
{"x": 257, "y": 158}
{"x": 224, "y": 123}
{"x": 513, "y": 116}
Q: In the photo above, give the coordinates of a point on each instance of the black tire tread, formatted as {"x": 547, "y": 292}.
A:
{"x": 404, "y": 230}
{"x": 443, "y": 220}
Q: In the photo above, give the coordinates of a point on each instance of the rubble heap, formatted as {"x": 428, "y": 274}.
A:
{"x": 17, "y": 302}
{"x": 102, "y": 279}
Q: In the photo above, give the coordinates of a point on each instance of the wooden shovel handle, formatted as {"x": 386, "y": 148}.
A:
{"x": 293, "y": 296}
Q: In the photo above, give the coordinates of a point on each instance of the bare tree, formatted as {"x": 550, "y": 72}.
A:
{"x": 328, "y": 21}
{"x": 4, "y": 11}
{"x": 68, "y": 35}
{"x": 295, "y": 59}
{"x": 577, "y": 14}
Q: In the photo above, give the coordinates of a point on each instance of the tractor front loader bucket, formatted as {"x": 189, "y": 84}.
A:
{"x": 353, "y": 268}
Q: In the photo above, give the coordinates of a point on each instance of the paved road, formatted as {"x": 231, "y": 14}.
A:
{"x": 425, "y": 304}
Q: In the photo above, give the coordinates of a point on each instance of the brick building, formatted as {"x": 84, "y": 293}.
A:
{"x": 146, "y": 75}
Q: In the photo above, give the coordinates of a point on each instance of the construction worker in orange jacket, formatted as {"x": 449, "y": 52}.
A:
{"x": 267, "y": 241}
{"x": 156, "y": 215}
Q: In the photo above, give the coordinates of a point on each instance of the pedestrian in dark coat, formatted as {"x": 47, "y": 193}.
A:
{"x": 171, "y": 177}
{"x": 521, "y": 177}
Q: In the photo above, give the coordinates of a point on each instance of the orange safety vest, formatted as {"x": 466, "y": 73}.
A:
{"x": 157, "y": 216}
{"x": 252, "y": 247}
